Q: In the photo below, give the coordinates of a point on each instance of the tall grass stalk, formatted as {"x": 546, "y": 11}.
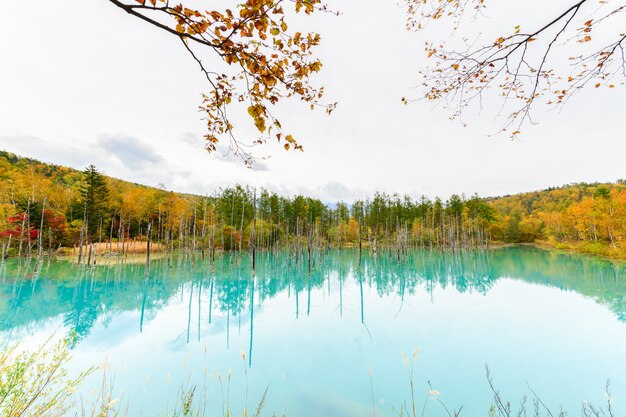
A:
{"x": 37, "y": 384}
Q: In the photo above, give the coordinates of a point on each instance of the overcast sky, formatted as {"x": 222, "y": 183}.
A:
{"x": 81, "y": 82}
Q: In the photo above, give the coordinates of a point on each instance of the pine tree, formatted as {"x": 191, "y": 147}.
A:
{"x": 95, "y": 194}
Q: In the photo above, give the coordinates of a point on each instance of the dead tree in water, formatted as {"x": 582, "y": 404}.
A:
{"x": 193, "y": 242}
{"x": 89, "y": 254}
{"x": 148, "y": 245}
{"x": 19, "y": 252}
{"x": 122, "y": 232}
{"x": 5, "y": 248}
{"x": 309, "y": 244}
{"x": 360, "y": 239}
{"x": 40, "y": 235}
{"x": 243, "y": 210}
{"x": 110, "y": 244}
{"x": 83, "y": 232}
{"x": 253, "y": 237}
{"x": 297, "y": 243}
{"x": 203, "y": 233}
{"x": 213, "y": 244}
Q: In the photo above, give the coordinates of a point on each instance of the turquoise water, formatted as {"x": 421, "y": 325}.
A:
{"x": 331, "y": 343}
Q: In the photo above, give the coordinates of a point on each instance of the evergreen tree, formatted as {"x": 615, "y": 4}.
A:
{"x": 95, "y": 194}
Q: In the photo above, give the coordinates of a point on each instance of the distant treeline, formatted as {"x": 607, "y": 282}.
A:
{"x": 45, "y": 207}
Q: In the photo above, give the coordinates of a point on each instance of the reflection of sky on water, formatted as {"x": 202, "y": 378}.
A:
{"x": 552, "y": 320}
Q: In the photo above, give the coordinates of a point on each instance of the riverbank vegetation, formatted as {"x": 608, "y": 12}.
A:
{"x": 47, "y": 209}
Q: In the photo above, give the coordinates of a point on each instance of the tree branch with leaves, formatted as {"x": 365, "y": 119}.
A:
{"x": 543, "y": 66}
{"x": 266, "y": 62}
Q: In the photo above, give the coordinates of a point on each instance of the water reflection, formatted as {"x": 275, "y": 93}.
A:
{"x": 84, "y": 296}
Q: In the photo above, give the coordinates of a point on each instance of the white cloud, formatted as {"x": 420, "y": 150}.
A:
{"x": 47, "y": 151}
{"x": 130, "y": 151}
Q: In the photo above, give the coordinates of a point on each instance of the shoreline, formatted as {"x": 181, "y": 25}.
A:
{"x": 140, "y": 257}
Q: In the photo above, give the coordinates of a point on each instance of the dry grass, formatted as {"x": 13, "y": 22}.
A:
{"x": 115, "y": 248}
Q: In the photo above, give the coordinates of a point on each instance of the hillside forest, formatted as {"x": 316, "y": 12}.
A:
{"x": 48, "y": 210}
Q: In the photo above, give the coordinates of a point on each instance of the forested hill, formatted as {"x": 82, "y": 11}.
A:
{"x": 45, "y": 206}
{"x": 587, "y": 217}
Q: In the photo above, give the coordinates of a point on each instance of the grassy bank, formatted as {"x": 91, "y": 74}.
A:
{"x": 597, "y": 249}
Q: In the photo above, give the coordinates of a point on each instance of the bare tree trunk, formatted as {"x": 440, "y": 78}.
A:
{"x": 360, "y": 243}
{"x": 254, "y": 236}
{"x": 111, "y": 235}
{"x": 148, "y": 244}
{"x": 82, "y": 234}
{"x": 5, "y": 249}
{"x": 89, "y": 253}
{"x": 243, "y": 210}
{"x": 40, "y": 235}
{"x": 203, "y": 235}
{"x": 19, "y": 252}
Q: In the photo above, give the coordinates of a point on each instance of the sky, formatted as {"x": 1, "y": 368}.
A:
{"x": 82, "y": 82}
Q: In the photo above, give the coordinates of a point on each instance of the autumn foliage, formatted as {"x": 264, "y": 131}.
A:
{"x": 589, "y": 218}
{"x": 50, "y": 206}
{"x": 16, "y": 228}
